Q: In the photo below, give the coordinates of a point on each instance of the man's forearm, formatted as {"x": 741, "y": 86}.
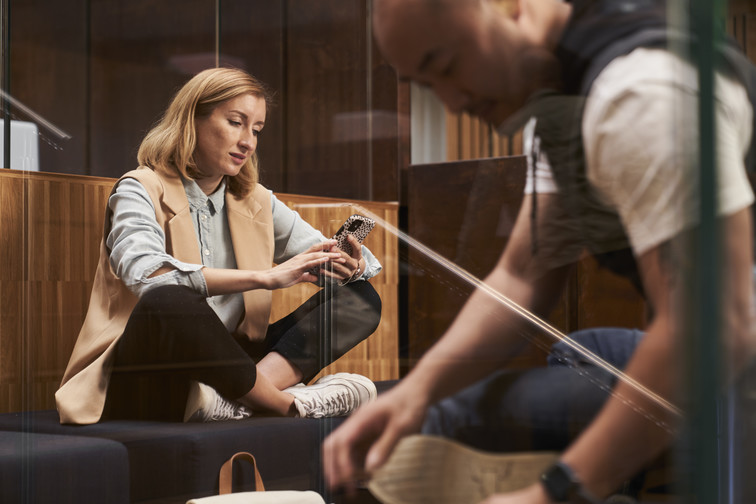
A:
{"x": 633, "y": 427}
{"x": 485, "y": 334}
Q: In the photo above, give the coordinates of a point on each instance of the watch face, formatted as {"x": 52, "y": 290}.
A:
{"x": 558, "y": 482}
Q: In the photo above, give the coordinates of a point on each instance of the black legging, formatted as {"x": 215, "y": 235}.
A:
{"x": 173, "y": 337}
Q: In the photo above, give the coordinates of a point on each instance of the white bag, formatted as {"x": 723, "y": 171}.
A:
{"x": 259, "y": 496}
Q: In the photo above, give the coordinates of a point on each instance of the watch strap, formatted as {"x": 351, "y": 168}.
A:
{"x": 562, "y": 485}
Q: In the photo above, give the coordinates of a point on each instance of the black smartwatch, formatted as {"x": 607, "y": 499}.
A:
{"x": 562, "y": 485}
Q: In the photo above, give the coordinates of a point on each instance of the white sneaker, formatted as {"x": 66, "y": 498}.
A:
{"x": 332, "y": 395}
{"x": 205, "y": 404}
{"x": 365, "y": 387}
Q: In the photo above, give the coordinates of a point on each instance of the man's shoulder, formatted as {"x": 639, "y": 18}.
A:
{"x": 643, "y": 65}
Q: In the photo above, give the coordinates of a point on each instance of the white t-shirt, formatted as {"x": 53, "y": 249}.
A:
{"x": 640, "y": 135}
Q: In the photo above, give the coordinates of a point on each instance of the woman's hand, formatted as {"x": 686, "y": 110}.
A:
{"x": 303, "y": 267}
{"x": 353, "y": 265}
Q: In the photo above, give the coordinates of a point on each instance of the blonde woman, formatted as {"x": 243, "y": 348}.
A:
{"x": 177, "y": 327}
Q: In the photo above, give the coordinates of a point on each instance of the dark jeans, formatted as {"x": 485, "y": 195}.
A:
{"x": 538, "y": 409}
{"x": 173, "y": 337}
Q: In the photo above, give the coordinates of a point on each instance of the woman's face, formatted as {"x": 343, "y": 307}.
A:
{"x": 227, "y": 138}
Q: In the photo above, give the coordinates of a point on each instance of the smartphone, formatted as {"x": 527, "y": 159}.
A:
{"x": 358, "y": 226}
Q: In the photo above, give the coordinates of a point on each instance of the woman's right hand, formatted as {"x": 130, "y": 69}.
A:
{"x": 300, "y": 267}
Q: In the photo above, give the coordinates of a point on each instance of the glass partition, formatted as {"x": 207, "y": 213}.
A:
{"x": 471, "y": 243}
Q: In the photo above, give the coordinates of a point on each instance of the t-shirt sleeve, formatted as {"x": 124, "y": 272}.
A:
{"x": 641, "y": 138}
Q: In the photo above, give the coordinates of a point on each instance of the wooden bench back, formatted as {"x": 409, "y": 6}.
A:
{"x": 50, "y": 230}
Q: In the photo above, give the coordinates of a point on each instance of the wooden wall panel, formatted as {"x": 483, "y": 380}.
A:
{"x": 55, "y": 222}
{"x": 51, "y": 227}
{"x": 741, "y": 25}
{"x": 378, "y": 357}
{"x": 468, "y": 138}
{"x": 12, "y": 290}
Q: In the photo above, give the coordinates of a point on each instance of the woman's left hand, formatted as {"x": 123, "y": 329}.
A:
{"x": 353, "y": 265}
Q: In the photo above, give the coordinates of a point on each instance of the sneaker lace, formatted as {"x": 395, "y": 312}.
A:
{"x": 333, "y": 403}
{"x": 227, "y": 410}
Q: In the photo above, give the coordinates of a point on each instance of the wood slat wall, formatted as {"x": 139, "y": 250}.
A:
{"x": 378, "y": 356}
{"x": 50, "y": 228}
{"x": 741, "y": 25}
{"x": 468, "y": 138}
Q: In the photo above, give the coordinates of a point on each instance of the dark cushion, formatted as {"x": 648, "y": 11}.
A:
{"x": 45, "y": 468}
{"x": 180, "y": 461}
{"x": 173, "y": 462}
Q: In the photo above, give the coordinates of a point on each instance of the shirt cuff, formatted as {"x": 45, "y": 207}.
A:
{"x": 372, "y": 265}
{"x": 189, "y": 275}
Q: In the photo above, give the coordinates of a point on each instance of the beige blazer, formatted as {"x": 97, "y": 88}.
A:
{"x": 81, "y": 396}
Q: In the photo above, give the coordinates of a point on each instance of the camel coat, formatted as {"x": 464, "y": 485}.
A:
{"x": 81, "y": 396}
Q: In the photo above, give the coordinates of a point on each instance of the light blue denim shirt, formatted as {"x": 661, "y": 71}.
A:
{"x": 137, "y": 243}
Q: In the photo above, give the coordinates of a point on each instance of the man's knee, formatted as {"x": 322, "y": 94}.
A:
{"x": 614, "y": 345}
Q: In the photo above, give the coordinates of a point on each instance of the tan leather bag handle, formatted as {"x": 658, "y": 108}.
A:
{"x": 225, "y": 484}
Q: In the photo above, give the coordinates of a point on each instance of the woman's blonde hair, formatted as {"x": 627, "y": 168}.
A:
{"x": 171, "y": 142}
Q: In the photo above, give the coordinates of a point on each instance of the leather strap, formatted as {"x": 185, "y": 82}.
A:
{"x": 225, "y": 483}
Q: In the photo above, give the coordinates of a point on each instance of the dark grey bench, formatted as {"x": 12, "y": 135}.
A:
{"x": 46, "y": 468}
{"x": 173, "y": 462}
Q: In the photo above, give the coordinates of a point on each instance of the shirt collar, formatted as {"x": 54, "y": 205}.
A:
{"x": 198, "y": 199}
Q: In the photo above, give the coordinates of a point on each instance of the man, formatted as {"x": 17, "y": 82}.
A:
{"x": 620, "y": 175}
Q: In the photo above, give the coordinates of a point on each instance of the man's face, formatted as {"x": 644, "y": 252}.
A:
{"x": 470, "y": 53}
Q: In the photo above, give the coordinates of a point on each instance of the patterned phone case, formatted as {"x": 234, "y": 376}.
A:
{"x": 357, "y": 225}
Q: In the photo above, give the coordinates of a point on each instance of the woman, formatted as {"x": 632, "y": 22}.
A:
{"x": 177, "y": 326}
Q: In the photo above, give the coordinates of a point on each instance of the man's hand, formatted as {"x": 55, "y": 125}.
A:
{"x": 482, "y": 337}
{"x": 365, "y": 441}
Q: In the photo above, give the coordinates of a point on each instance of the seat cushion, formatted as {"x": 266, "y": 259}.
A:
{"x": 46, "y": 468}
{"x": 178, "y": 461}
{"x": 172, "y": 462}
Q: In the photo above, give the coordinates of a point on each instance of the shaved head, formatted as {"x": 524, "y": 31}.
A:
{"x": 483, "y": 57}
